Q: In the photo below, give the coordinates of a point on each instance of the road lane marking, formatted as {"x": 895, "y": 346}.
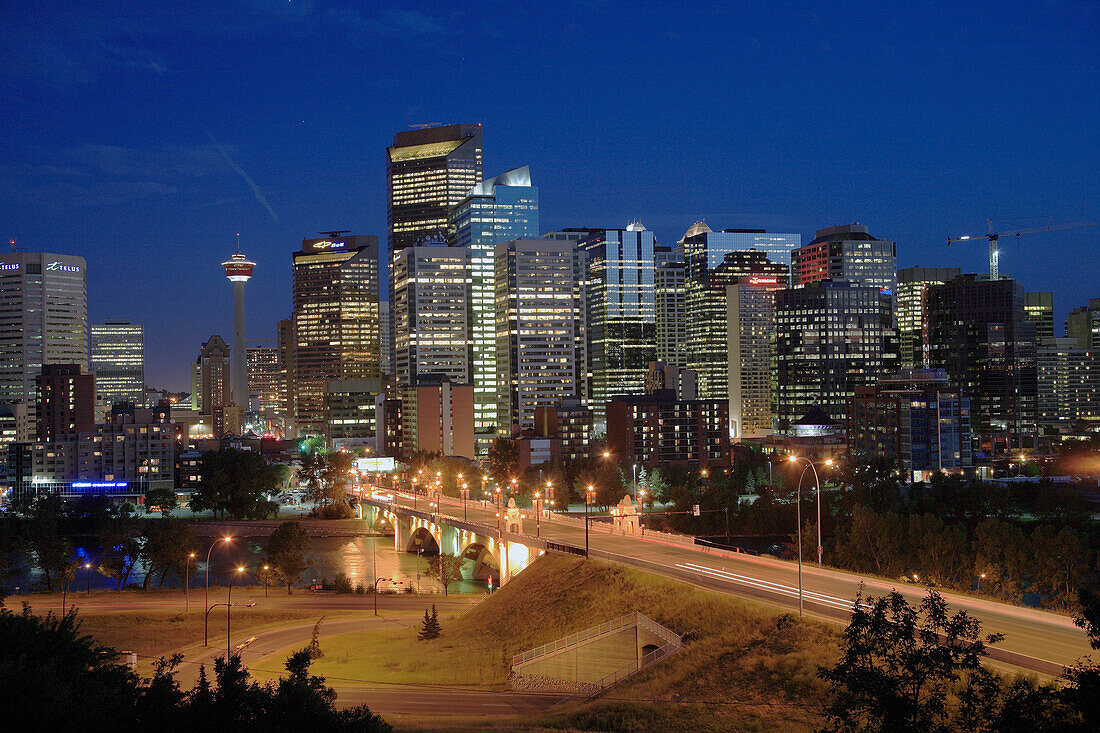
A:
{"x": 787, "y": 590}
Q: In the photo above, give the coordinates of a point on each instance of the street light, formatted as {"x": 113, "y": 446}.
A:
{"x": 266, "y": 568}
{"x": 376, "y": 582}
{"x": 817, "y": 483}
{"x": 229, "y": 612}
{"x": 206, "y": 600}
{"x": 980, "y": 577}
{"x": 538, "y": 511}
{"x": 186, "y": 582}
{"x": 587, "y": 501}
{"x": 87, "y": 578}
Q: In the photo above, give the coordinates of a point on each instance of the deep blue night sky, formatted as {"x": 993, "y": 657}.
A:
{"x": 789, "y": 116}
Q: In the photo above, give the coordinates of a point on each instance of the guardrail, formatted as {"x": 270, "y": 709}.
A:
{"x": 565, "y": 642}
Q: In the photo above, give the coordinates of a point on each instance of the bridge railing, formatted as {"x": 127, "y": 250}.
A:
{"x": 565, "y": 642}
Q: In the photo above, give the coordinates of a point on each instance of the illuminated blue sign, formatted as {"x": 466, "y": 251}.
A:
{"x": 58, "y": 266}
{"x": 886, "y": 291}
{"x": 99, "y": 484}
{"x": 9, "y": 265}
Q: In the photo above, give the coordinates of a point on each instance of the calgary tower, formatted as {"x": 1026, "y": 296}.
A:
{"x": 238, "y": 269}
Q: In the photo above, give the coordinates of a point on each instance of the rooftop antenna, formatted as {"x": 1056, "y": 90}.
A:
{"x": 238, "y": 242}
{"x": 12, "y": 243}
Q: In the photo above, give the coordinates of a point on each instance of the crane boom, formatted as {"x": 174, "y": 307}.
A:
{"x": 993, "y": 236}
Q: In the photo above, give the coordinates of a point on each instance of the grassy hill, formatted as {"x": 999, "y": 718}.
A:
{"x": 746, "y": 666}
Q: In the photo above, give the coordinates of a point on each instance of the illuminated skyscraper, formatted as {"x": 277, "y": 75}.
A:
{"x": 266, "y": 382}
{"x": 912, "y": 294}
{"x": 497, "y": 210}
{"x": 336, "y": 320}
{"x": 1039, "y": 309}
{"x": 118, "y": 360}
{"x": 540, "y": 305}
{"x": 428, "y": 172}
{"x": 621, "y": 317}
{"x": 238, "y": 269}
{"x": 668, "y": 302}
{"x": 431, "y": 315}
{"x": 43, "y": 320}
{"x": 846, "y": 252}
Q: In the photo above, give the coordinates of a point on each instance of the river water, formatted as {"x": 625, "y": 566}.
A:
{"x": 362, "y": 558}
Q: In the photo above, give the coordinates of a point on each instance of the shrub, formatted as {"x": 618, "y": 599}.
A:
{"x": 341, "y": 583}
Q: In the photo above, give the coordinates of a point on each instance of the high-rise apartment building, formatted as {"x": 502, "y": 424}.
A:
{"x": 846, "y": 252}
{"x": 211, "y": 379}
{"x": 431, "y": 317}
{"x": 831, "y": 337}
{"x": 498, "y": 210}
{"x": 266, "y": 382}
{"x": 621, "y": 316}
{"x": 336, "y": 319}
{"x": 1039, "y": 309}
{"x": 64, "y": 400}
{"x": 668, "y": 303}
{"x": 428, "y": 172}
{"x": 979, "y": 333}
{"x": 43, "y": 319}
{"x": 118, "y": 361}
{"x": 1068, "y": 387}
{"x": 540, "y": 328}
{"x": 713, "y": 260}
{"x": 750, "y": 334}
{"x": 1083, "y": 324}
{"x": 912, "y": 312}
{"x": 284, "y": 339}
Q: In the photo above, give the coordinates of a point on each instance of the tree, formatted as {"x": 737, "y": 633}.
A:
{"x": 51, "y": 551}
{"x": 503, "y": 460}
{"x": 286, "y": 552}
{"x": 166, "y": 548}
{"x": 429, "y": 628}
{"x": 235, "y": 483}
{"x": 446, "y": 568}
{"x": 336, "y": 476}
{"x": 120, "y": 549}
{"x": 900, "y": 666}
{"x": 165, "y": 498}
{"x": 309, "y": 475}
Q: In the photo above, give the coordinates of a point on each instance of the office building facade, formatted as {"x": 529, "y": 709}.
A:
{"x": 979, "y": 333}
{"x": 431, "y": 316}
{"x": 912, "y": 311}
{"x": 1068, "y": 387}
{"x": 500, "y": 209}
{"x": 831, "y": 337}
{"x": 118, "y": 360}
{"x": 350, "y": 411}
{"x": 337, "y": 329}
{"x": 659, "y": 430}
{"x": 210, "y": 383}
{"x": 621, "y": 315}
{"x": 65, "y": 401}
{"x": 750, "y": 338}
{"x": 1083, "y": 325}
{"x": 266, "y": 382}
{"x": 1039, "y": 309}
{"x": 846, "y": 252}
{"x": 43, "y": 319}
{"x": 540, "y": 328}
{"x": 916, "y": 420}
{"x": 428, "y": 172}
{"x": 670, "y": 317}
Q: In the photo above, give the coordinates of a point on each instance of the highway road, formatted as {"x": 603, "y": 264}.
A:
{"x": 1035, "y": 640}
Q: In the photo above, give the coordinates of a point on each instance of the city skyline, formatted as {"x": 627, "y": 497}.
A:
{"x": 176, "y": 150}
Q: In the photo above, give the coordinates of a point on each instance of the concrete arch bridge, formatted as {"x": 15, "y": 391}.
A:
{"x": 495, "y": 554}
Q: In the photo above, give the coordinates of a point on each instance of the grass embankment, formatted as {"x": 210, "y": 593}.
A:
{"x": 744, "y": 668}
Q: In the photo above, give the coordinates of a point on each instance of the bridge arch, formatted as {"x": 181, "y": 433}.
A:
{"x": 424, "y": 539}
{"x": 485, "y": 562}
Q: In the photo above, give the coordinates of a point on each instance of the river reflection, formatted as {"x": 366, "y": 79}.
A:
{"x": 362, "y": 558}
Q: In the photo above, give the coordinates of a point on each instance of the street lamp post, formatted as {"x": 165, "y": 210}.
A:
{"x": 266, "y": 568}
{"x": 587, "y": 501}
{"x": 206, "y": 600}
{"x": 229, "y": 612}
{"x": 187, "y": 582}
{"x": 87, "y": 578}
{"x": 538, "y": 511}
{"x": 376, "y": 582}
{"x": 817, "y": 491}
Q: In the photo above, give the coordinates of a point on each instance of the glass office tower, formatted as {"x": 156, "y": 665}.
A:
{"x": 500, "y": 209}
{"x": 118, "y": 360}
{"x": 621, "y": 314}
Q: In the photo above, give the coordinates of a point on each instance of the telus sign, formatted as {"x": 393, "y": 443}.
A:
{"x": 58, "y": 266}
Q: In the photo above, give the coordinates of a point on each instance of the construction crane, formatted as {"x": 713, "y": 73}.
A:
{"x": 994, "y": 236}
